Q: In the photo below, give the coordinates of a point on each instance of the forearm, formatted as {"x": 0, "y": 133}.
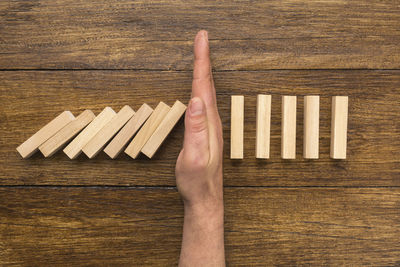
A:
{"x": 203, "y": 236}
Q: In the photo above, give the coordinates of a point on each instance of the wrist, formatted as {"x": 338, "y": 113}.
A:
{"x": 210, "y": 214}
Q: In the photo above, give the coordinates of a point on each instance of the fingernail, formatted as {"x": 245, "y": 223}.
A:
{"x": 196, "y": 106}
{"x": 205, "y": 34}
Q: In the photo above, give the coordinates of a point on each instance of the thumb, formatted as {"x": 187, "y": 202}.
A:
{"x": 195, "y": 144}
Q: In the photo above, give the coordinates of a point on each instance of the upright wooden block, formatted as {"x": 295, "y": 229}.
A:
{"x": 165, "y": 127}
{"x": 311, "y": 127}
{"x": 288, "y": 149}
{"x": 75, "y": 147}
{"x": 237, "y": 124}
{"x": 263, "y": 126}
{"x": 339, "y": 127}
{"x": 30, "y": 146}
{"x": 147, "y": 130}
{"x": 128, "y": 131}
{"x": 96, "y": 144}
{"x": 53, "y": 144}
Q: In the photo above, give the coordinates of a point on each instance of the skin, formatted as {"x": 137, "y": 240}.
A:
{"x": 199, "y": 168}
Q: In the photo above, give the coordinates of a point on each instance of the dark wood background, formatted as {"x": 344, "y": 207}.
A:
{"x": 74, "y": 55}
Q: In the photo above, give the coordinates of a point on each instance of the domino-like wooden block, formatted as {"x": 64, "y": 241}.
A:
{"x": 128, "y": 131}
{"x": 237, "y": 124}
{"x": 97, "y": 143}
{"x": 263, "y": 126}
{"x": 74, "y": 149}
{"x": 147, "y": 130}
{"x": 53, "y": 144}
{"x": 288, "y": 148}
{"x": 311, "y": 127}
{"x": 339, "y": 127}
{"x": 30, "y": 146}
{"x": 165, "y": 127}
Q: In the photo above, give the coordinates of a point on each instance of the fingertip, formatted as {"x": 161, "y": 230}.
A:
{"x": 201, "y": 45}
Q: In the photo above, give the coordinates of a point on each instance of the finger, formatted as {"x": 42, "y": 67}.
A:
{"x": 196, "y": 140}
{"x": 202, "y": 85}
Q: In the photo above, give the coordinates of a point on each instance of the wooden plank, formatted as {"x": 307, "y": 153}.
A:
{"x": 147, "y": 130}
{"x": 163, "y": 130}
{"x": 121, "y": 226}
{"x": 311, "y": 127}
{"x": 289, "y": 110}
{"x": 96, "y": 144}
{"x": 263, "y": 129}
{"x": 257, "y": 36}
{"x": 31, "y": 145}
{"x": 339, "y": 127}
{"x": 74, "y": 149}
{"x": 57, "y": 141}
{"x": 237, "y": 126}
{"x": 115, "y": 147}
{"x": 373, "y": 149}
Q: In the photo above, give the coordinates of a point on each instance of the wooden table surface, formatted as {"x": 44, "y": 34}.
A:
{"x": 74, "y": 55}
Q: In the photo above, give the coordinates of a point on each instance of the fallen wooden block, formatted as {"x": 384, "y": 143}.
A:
{"x": 31, "y": 145}
{"x": 311, "y": 127}
{"x": 237, "y": 124}
{"x": 339, "y": 127}
{"x": 147, "y": 130}
{"x": 53, "y": 144}
{"x": 288, "y": 148}
{"x": 263, "y": 126}
{"x": 128, "y": 131}
{"x": 165, "y": 127}
{"x": 74, "y": 149}
{"x": 97, "y": 143}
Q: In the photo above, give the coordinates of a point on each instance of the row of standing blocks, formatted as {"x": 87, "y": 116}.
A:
{"x": 288, "y": 135}
{"x": 91, "y": 134}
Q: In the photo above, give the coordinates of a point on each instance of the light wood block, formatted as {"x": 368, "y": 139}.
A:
{"x": 311, "y": 127}
{"x": 97, "y": 143}
{"x": 31, "y": 145}
{"x": 237, "y": 124}
{"x": 74, "y": 149}
{"x": 288, "y": 149}
{"x": 263, "y": 129}
{"x": 147, "y": 130}
{"x": 165, "y": 127}
{"x": 339, "y": 127}
{"x": 68, "y": 132}
{"x": 114, "y": 148}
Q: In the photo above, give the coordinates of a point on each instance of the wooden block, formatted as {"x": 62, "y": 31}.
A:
{"x": 128, "y": 131}
{"x": 288, "y": 149}
{"x": 311, "y": 127}
{"x": 263, "y": 126}
{"x": 147, "y": 130}
{"x": 237, "y": 124}
{"x": 339, "y": 127}
{"x": 97, "y": 143}
{"x": 68, "y": 132}
{"x": 165, "y": 127}
{"x": 74, "y": 149}
{"x": 30, "y": 146}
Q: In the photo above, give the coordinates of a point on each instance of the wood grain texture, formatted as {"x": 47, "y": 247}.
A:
{"x": 142, "y": 227}
{"x": 245, "y": 35}
{"x": 373, "y": 157}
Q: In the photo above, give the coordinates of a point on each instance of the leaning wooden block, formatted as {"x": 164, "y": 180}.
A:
{"x": 128, "y": 131}
{"x": 288, "y": 149}
{"x": 96, "y": 144}
{"x": 30, "y": 146}
{"x": 147, "y": 130}
{"x": 237, "y": 124}
{"x": 75, "y": 147}
{"x": 311, "y": 127}
{"x": 53, "y": 144}
{"x": 263, "y": 126}
{"x": 339, "y": 127}
{"x": 165, "y": 127}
